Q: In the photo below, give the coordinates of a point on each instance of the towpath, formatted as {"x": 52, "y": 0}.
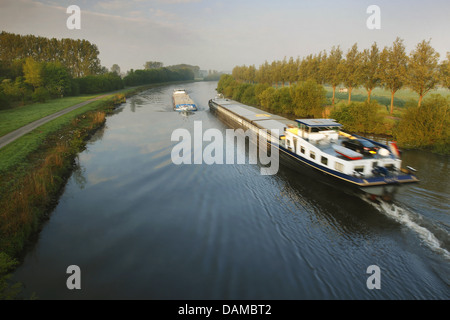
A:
{"x": 16, "y": 134}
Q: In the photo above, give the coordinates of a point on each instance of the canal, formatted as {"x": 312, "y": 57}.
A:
{"x": 141, "y": 227}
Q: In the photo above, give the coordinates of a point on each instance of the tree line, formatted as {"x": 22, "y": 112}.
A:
{"x": 163, "y": 74}
{"x": 79, "y": 57}
{"x": 390, "y": 68}
{"x": 422, "y": 125}
{"x": 34, "y": 69}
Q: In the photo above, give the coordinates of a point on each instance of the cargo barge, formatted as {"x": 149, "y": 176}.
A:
{"x": 182, "y": 101}
{"x": 319, "y": 146}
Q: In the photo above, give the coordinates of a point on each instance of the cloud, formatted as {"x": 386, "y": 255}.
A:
{"x": 114, "y": 5}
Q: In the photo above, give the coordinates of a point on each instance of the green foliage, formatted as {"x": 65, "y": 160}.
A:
{"x": 57, "y": 79}
{"x": 248, "y": 96}
{"x": 423, "y": 72}
{"x": 100, "y": 83}
{"x": 79, "y": 57}
{"x": 305, "y": 99}
{"x": 8, "y": 291}
{"x": 308, "y": 99}
{"x": 276, "y": 100}
{"x": 351, "y": 69}
{"x": 370, "y": 65}
{"x": 40, "y": 94}
{"x": 427, "y": 126}
{"x": 225, "y": 81}
{"x": 32, "y": 71}
{"x": 239, "y": 91}
{"x": 331, "y": 67}
{"x": 361, "y": 117}
{"x": 142, "y": 77}
{"x": 393, "y": 66}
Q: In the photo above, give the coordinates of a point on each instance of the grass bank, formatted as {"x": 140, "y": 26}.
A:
{"x": 14, "y": 118}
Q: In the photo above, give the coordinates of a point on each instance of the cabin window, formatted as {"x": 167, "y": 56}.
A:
{"x": 359, "y": 169}
{"x": 324, "y": 160}
{"x": 302, "y": 149}
{"x": 339, "y": 166}
{"x": 312, "y": 155}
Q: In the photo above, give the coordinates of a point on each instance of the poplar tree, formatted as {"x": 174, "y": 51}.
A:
{"x": 291, "y": 71}
{"x": 393, "y": 64}
{"x": 370, "y": 69}
{"x": 331, "y": 69}
{"x": 351, "y": 70}
{"x": 423, "y": 72}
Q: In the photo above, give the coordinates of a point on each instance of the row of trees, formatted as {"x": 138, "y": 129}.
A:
{"x": 38, "y": 81}
{"x": 149, "y": 76}
{"x": 390, "y": 68}
{"x": 79, "y": 57}
{"x": 303, "y": 99}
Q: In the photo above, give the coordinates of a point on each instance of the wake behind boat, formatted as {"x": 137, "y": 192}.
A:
{"x": 182, "y": 101}
{"x": 319, "y": 144}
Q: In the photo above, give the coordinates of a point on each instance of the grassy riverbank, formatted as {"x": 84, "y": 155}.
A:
{"x": 35, "y": 168}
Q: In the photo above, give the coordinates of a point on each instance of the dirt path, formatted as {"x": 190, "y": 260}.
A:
{"x": 16, "y": 134}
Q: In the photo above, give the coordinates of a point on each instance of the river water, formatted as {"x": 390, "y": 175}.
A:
{"x": 141, "y": 227}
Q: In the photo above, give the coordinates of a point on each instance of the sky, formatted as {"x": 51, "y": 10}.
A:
{"x": 221, "y": 34}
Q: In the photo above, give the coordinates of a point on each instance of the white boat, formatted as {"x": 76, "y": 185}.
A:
{"x": 182, "y": 101}
{"x": 317, "y": 145}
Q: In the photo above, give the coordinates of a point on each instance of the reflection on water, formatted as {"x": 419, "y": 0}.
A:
{"x": 78, "y": 174}
{"x": 141, "y": 227}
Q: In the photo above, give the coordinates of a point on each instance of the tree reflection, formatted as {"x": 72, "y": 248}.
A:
{"x": 78, "y": 174}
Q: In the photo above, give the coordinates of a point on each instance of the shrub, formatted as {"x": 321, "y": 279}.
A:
{"x": 426, "y": 126}
{"x": 362, "y": 117}
{"x": 40, "y": 95}
{"x": 308, "y": 98}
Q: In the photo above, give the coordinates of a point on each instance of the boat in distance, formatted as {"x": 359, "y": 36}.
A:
{"x": 182, "y": 101}
{"x": 318, "y": 146}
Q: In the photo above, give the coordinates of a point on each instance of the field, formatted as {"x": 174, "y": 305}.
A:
{"x": 383, "y": 96}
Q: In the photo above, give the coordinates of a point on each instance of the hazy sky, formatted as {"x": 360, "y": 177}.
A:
{"x": 220, "y": 34}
